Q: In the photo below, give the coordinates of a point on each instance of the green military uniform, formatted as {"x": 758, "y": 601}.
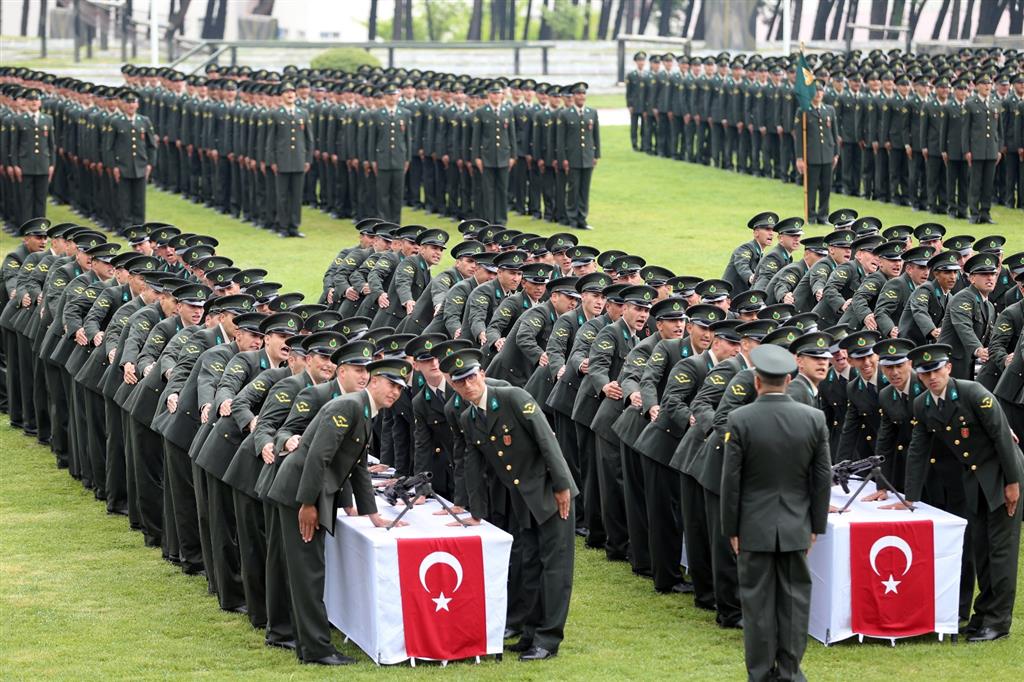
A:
{"x": 982, "y": 138}
{"x": 33, "y": 152}
{"x": 390, "y": 148}
{"x": 820, "y": 156}
{"x": 776, "y": 481}
{"x": 967, "y": 322}
{"x": 493, "y": 148}
{"x": 289, "y": 148}
{"x": 578, "y": 149}
{"x": 131, "y": 144}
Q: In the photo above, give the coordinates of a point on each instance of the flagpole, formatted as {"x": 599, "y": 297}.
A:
{"x": 803, "y": 118}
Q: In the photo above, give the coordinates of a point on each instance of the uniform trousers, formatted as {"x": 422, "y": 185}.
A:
{"x": 34, "y": 189}
{"x": 548, "y": 558}
{"x": 252, "y": 554}
{"x": 495, "y": 190}
{"x": 226, "y": 566}
{"x": 698, "y": 544}
{"x": 389, "y": 194}
{"x": 995, "y": 542}
{"x": 613, "y": 504}
{"x": 578, "y": 204}
{"x": 723, "y": 564}
{"x": 982, "y": 180}
{"x": 278, "y": 599}
{"x": 635, "y": 501}
{"x": 289, "y": 201}
{"x": 775, "y": 590}
{"x": 306, "y": 568}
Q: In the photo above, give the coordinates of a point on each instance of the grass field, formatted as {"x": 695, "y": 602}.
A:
{"x": 81, "y": 598}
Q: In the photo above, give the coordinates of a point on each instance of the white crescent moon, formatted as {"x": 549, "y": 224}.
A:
{"x": 895, "y": 542}
{"x": 441, "y": 558}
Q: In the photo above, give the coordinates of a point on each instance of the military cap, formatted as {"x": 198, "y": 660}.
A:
{"x": 613, "y": 293}
{"x": 893, "y": 351}
{"x": 123, "y": 259}
{"x": 705, "y": 315}
{"x": 640, "y": 295}
{"x": 627, "y": 264}
{"x": 655, "y": 275}
{"x": 281, "y": 323}
{"x": 890, "y": 250}
{"x": 838, "y": 333}
{"x": 898, "y": 232}
{"x": 180, "y": 242}
{"x": 961, "y": 83}
{"x": 918, "y": 255}
{"x": 472, "y": 225}
{"x": 927, "y": 232}
{"x": 842, "y": 218}
{"x": 671, "y": 308}
{"x": 711, "y": 290}
{"x": 286, "y": 301}
{"x": 286, "y": 86}
{"x": 250, "y": 322}
{"x": 595, "y": 282}
{"x": 504, "y": 238}
{"x": 36, "y": 227}
{"x": 432, "y": 237}
{"x": 790, "y": 227}
{"x": 983, "y": 79}
{"x": 410, "y": 233}
{"x": 60, "y": 230}
{"x": 462, "y": 363}
{"x": 445, "y": 348}
{"x": 391, "y": 345}
{"x": 560, "y": 242}
{"x": 962, "y": 243}
{"x": 639, "y": 55}
{"x": 807, "y": 321}
{"x": 353, "y": 327}
{"x": 88, "y": 239}
{"x": 655, "y": 59}
{"x": 684, "y": 285}
{"x": 421, "y": 347}
{"x": 581, "y": 255}
{"x": 104, "y": 251}
{"x": 467, "y": 249}
{"x": 728, "y": 330}
{"x": 756, "y": 329}
{"x": 860, "y": 344}
{"x": 1015, "y": 262}
{"x": 308, "y": 310}
{"x": 777, "y": 312}
{"x": 749, "y": 301}
{"x": 813, "y": 344}
{"x": 991, "y": 244}
{"x": 606, "y": 259}
{"x": 510, "y": 260}
{"x": 867, "y": 243}
{"x": 395, "y": 370}
{"x": 930, "y": 357}
{"x": 982, "y": 264}
{"x": 766, "y": 220}
{"x": 250, "y": 276}
{"x": 866, "y": 225}
{"x": 193, "y": 254}
{"x": 201, "y": 240}
{"x": 815, "y": 245}
{"x": 192, "y": 294}
{"x": 772, "y": 361}
{"x": 161, "y": 233}
{"x": 222, "y": 278}
{"x": 235, "y": 303}
{"x": 155, "y": 280}
{"x": 368, "y": 225}
{"x": 947, "y": 260}
{"x": 563, "y": 285}
{"x": 142, "y": 264}
{"x": 529, "y": 242}
{"x": 263, "y": 292}
{"x": 842, "y": 239}
{"x": 211, "y": 263}
{"x": 31, "y": 93}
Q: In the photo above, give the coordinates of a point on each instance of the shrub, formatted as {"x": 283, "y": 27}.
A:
{"x": 343, "y": 58}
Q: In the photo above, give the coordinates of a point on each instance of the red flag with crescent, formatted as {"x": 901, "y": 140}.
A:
{"x": 444, "y": 605}
{"x": 892, "y": 578}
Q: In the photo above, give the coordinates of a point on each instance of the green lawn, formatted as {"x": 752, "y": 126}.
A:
{"x": 80, "y": 597}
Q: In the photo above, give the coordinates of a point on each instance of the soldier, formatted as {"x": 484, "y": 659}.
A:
{"x": 771, "y": 542}
{"x": 991, "y": 472}
{"x": 741, "y": 271}
{"x": 528, "y": 463}
{"x": 32, "y": 156}
{"x": 390, "y": 149}
{"x": 579, "y": 122}
{"x": 494, "y": 149}
{"x": 982, "y": 140}
{"x": 895, "y": 136}
{"x": 649, "y": 130}
{"x": 131, "y": 146}
{"x": 954, "y": 150}
{"x": 967, "y": 322}
{"x": 933, "y": 115}
{"x": 635, "y": 82}
{"x": 894, "y": 294}
{"x": 1013, "y": 144}
{"x": 789, "y": 230}
{"x": 289, "y": 151}
{"x": 820, "y": 157}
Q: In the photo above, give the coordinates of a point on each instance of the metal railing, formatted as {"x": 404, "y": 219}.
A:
{"x": 908, "y": 34}
{"x": 217, "y": 48}
{"x": 685, "y": 43}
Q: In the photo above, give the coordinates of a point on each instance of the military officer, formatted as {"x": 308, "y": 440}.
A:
{"x": 820, "y": 157}
{"x": 774, "y": 447}
{"x": 982, "y": 140}
{"x": 493, "y": 150}
{"x": 967, "y": 322}
{"x": 789, "y": 231}
{"x": 32, "y": 155}
{"x": 131, "y": 146}
{"x": 635, "y": 83}
{"x": 508, "y": 437}
{"x": 289, "y": 153}
{"x": 741, "y": 271}
{"x": 968, "y": 421}
{"x": 390, "y": 147}
{"x": 578, "y": 149}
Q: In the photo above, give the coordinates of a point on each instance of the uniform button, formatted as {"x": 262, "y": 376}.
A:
{"x": 515, "y": 481}
{"x": 437, "y": 449}
{"x": 494, "y": 438}
{"x": 899, "y": 448}
{"x": 478, "y": 442}
{"x": 932, "y": 460}
{"x": 966, "y": 455}
{"x": 868, "y": 438}
{"x": 508, "y": 467}
{"x": 974, "y": 467}
{"x": 956, "y": 442}
{"x": 949, "y": 428}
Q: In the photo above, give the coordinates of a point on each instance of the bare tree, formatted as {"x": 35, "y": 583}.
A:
{"x": 989, "y": 16}
{"x": 646, "y": 7}
{"x": 176, "y": 20}
{"x": 264, "y": 8}
{"x": 878, "y": 11}
{"x": 604, "y": 19}
{"x": 545, "y": 27}
{"x": 825, "y": 8}
{"x": 430, "y": 20}
{"x": 476, "y": 21}
{"x": 838, "y": 20}
{"x": 407, "y": 14}
{"x": 954, "y": 21}
{"x": 967, "y": 29}
{"x": 396, "y": 20}
{"x": 586, "y": 20}
{"x": 630, "y": 18}
{"x": 664, "y": 17}
{"x": 797, "y": 15}
{"x": 896, "y": 17}
{"x": 526, "y": 21}
{"x": 939, "y": 18}
{"x": 510, "y": 24}
{"x": 1017, "y": 17}
{"x": 916, "y": 6}
{"x": 25, "y": 6}
{"x": 371, "y": 25}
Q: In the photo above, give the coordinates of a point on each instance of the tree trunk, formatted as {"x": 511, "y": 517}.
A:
{"x": 510, "y": 25}
{"x": 646, "y": 6}
{"x": 896, "y": 17}
{"x": 798, "y": 12}
{"x": 526, "y": 20}
{"x": 1017, "y": 17}
{"x": 915, "y": 17}
{"x": 177, "y": 19}
{"x": 619, "y": 16}
{"x": 604, "y": 19}
{"x": 476, "y": 18}
{"x": 586, "y": 20}
{"x": 774, "y": 25}
{"x": 24, "y": 17}
{"x": 430, "y": 21}
{"x": 991, "y": 13}
{"x": 545, "y": 27}
{"x": 629, "y": 19}
{"x": 954, "y": 21}
{"x": 371, "y": 25}
{"x": 967, "y": 29}
{"x": 838, "y": 20}
{"x": 396, "y": 20}
{"x": 878, "y": 10}
{"x": 825, "y": 8}
{"x": 265, "y": 8}
{"x": 664, "y": 17}
{"x": 698, "y": 30}
{"x": 939, "y": 18}
{"x": 496, "y": 19}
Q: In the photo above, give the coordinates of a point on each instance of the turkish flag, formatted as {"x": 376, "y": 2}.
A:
{"x": 892, "y": 578}
{"x": 444, "y": 606}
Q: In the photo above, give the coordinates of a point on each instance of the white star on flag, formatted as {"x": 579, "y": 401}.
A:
{"x": 441, "y": 602}
{"x": 890, "y": 585}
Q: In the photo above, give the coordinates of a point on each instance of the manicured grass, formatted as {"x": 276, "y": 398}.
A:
{"x": 80, "y": 597}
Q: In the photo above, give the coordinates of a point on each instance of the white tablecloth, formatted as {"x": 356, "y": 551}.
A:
{"x": 831, "y": 609}
{"x": 362, "y": 590}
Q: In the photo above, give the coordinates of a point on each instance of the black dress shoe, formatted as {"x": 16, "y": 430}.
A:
{"x": 732, "y": 625}
{"x": 333, "y": 659}
{"x": 974, "y": 220}
{"x": 987, "y": 219}
{"x": 193, "y": 569}
{"x": 537, "y": 653}
{"x": 582, "y": 531}
{"x": 678, "y": 588}
{"x": 512, "y": 633}
{"x": 289, "y": 644}
{"x": 704, "y": 607}
{"x": 520, "y": 646}
{"x": 617, "y": 556}
{"x": 987, "y": 634}
{"x": 241, "y": 608}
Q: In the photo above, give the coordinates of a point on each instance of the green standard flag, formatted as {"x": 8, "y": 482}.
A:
{"x": 804, "y": 86}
